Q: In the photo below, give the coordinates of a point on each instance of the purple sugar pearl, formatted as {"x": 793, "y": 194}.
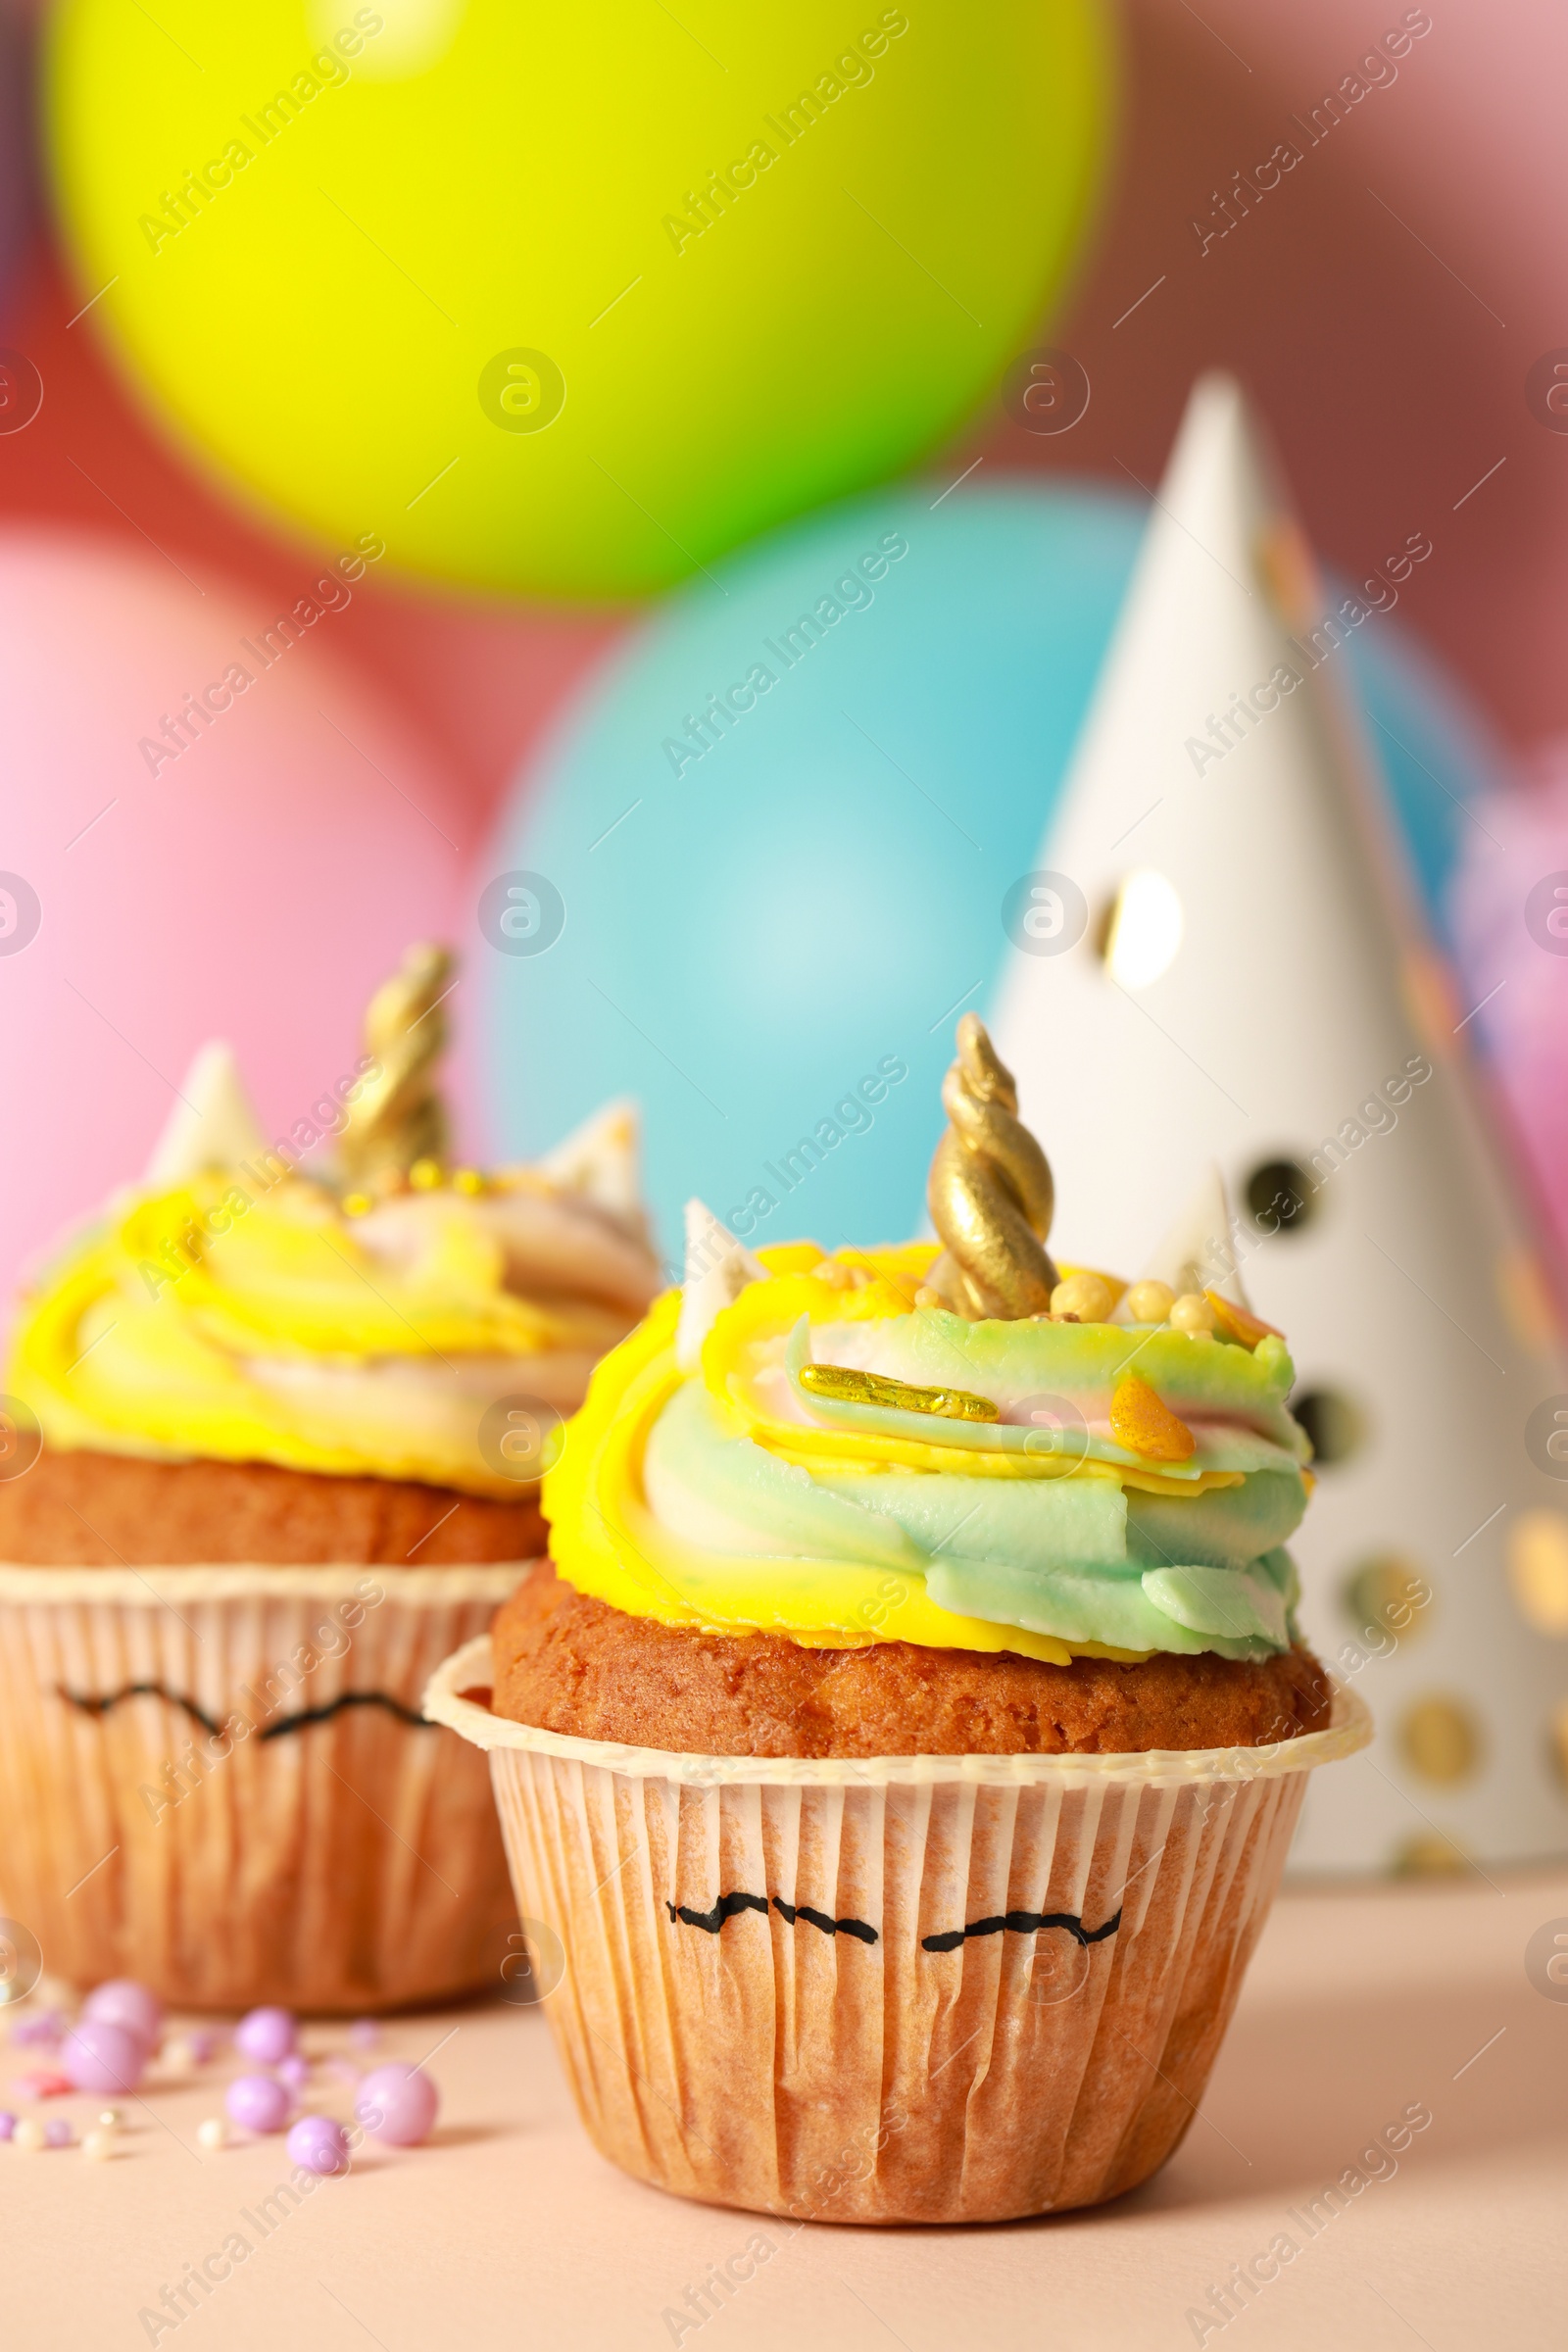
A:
{"x": 100, "y": 2055}
{"x": 46, "y": 2029}
{"x": 58, "y": 2133}
{"x": 397, "y": 2102}
{"x": 265, "y": 2034}
{"x": 202, "y": 2043}
{"x": 7, "y": 2123}
{"x": 125, "y": 2002}
{"x": 256, "y": 2103}
{"x": 318, "y": 2144}
{"x": 294, "y": 2070}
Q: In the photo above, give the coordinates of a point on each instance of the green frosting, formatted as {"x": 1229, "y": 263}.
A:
{"x": 1077, "y": 1557}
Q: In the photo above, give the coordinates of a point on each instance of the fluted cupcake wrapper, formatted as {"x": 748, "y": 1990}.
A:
{"x": 906, "y": 1989}
{"x": 218, "y": 1779}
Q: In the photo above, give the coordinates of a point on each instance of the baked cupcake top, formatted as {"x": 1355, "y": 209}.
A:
{"x": 388, "y": 1315}
{"x": 961, "y": 1446}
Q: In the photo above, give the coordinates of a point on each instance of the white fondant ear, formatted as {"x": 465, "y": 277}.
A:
{"x": 211, "y": 1126}
{"x": 600, "y": 1159}
{"x": 1199, "y": 1251}
{"x": 718, "y": 1269}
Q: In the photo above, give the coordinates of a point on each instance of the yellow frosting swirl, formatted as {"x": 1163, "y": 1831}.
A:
{"x": 247, "y": 1321}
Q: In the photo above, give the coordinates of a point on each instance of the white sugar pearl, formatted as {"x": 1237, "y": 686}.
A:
{"x": 110, "y": 2118}
{"x": 29, "y": 2135}
{"x": 212, "y": 2133}
{"x": 98, "y": 2146}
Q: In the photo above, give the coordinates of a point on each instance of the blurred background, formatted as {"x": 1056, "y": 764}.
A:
{"x": 512, "y": 413}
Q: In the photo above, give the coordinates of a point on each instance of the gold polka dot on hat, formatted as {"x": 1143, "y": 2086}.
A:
{"x": 1386, "y": 1593}
{"x": 1538, "y": 1569}
{"x": 1440, "y": 1740}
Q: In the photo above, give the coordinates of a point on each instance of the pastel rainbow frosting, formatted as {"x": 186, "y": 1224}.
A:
{"x": 712, "y": 1480}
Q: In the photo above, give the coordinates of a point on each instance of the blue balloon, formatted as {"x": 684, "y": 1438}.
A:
{"x": 761, "y": 871}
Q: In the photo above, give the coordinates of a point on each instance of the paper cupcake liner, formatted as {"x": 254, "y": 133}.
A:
{"x": 197, "y": 1792}
{"x": 915, "y": 1988}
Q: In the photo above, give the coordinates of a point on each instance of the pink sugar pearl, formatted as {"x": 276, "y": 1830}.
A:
{"x": 125, "y": 2002}
{"x": 265, "y": 2034}
{"x": 318, "y": 2143}
{"x": 100, "y": 2055}
{"x": 256, "y": 2103}
{"x": 398, "y": 2103}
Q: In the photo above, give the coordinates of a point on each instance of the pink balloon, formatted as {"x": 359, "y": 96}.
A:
{"x": 255, "y": 887}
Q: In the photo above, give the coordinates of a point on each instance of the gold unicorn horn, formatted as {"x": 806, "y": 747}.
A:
{"x": 990, "y": 1192}
{"x": 399, "y": 1117}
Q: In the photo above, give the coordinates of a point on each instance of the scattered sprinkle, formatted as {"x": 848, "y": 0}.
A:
{"x": 1238, "y": 1325}
{"x": 1144, "y": 1424}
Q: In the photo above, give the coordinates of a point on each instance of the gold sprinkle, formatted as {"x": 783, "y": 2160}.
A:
{"x": 1192, "y": 1314}
{"x": 1143, "y": 1422}
{"x": 836, "y": 1275}
{"x": 850, "y": 1387}
{"x": 425, "y": 1175}
{"x": 1081, "y": 1299}
{"x": 1238, "y": 1325}
{"x": 356, "y": 1204}
{"x": 468, "y": 1180}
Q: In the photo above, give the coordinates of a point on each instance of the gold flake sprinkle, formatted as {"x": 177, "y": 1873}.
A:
{"x": 850, "y": 1387}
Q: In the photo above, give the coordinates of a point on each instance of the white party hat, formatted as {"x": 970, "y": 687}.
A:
{"x": 1186, "y": 1258}
{"x": 1245, "y": 984}
{"x": 211, "y": 1124}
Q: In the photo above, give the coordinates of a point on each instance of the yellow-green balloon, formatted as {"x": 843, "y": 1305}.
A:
{"x": 570, "y": 298}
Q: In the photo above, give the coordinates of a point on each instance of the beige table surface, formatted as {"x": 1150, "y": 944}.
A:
{"x": 508, "y": 2229}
